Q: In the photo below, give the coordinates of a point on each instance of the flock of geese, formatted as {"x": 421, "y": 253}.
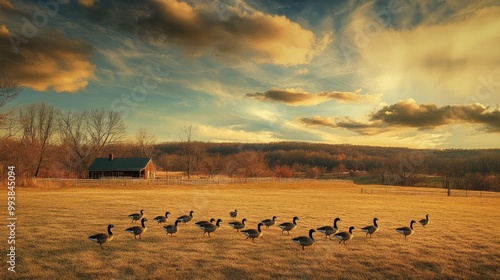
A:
{"x": 209, "y": 227}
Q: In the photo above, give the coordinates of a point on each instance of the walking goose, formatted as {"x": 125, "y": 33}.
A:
{"x": 406, "y": 230}
{"x": 269, "y": 222}
{"x": 371, "y": 229}
{"x": 424, "y": 222}
{"x": 200, "y": 223}
{"x": 161, "y": 219}
{"x": 328, "y": 230}
{"x": 233, "y": 214}
{"x": 344, "y": 236}
{"x": 186, "y": 218}
{"x": 136, "y": 216}
{"x": 252, "y": 233}
{"x": 305, "y": 240}
{"x": 208, "y": 228}
{"x": 238, "y": 225}
{"x": 102, "y": 238}
{"x": 138, "y": 230}
{"x": 171, "y": 229}
{"x": 287, "y": 226}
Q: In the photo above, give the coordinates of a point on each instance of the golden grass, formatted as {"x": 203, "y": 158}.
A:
{"x": 461, "y": 240}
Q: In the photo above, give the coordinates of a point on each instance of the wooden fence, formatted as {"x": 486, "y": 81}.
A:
{"x": 174, "y": 181}
{"x": 438, "y": 192}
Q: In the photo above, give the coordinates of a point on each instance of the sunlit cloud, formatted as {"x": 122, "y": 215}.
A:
{"x": 297, "y": 97}
{"x": 233, "y": 134}
{"x": 265, "y": 38}
{"x": 364, "y": 128}
{"x": 444, "y": 54}
{"x": 5, "y": 4}
{"x": 48, "y": 60}
{"x": 409, "y": 114}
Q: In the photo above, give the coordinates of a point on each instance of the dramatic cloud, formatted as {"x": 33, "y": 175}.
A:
{"x": 48, "y": 60}
{"x": 295, "y": 97}
{"x": 240, "y": 34}
{"x": 410, "y": 114}
{"x": 454, "y": 48}
{"x": 345, "y": 122}
{"x": 5, "y": 4}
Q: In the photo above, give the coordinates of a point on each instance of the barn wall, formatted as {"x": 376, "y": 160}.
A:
{"x": 150, "y": 171}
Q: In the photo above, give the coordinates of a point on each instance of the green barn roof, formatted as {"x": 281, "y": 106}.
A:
{"x": 119, "y": 164}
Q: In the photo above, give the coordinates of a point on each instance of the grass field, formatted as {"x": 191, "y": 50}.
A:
{"x": 461, "y": 241}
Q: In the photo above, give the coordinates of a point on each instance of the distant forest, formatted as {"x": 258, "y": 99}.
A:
{"x": 456, "y": 168}
{"x": 43, "y": 141}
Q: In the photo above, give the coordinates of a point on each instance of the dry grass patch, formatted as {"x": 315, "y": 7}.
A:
{"x": 461, "y": 240}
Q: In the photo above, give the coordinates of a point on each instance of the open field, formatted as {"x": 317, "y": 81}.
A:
{"x": 461, "y": 241}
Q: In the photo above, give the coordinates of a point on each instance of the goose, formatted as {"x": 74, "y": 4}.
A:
{"x": 305, "y": 240}
{"x": 186, "y": 218}
{"x": 237, "y": 225}
{"x": 424, "y": 222}
{"x": 406, "y": 230}
{"x": 344, "y": 236}
{"x": 371, "y": 229}
{"x": 136, "y": 216}
{"x": 200, "y": 223}
{"x": 269, "y": 222}
{"x": 252, "y": 233}
{"x": 161, "y": 219}
{"x": 138, "y": 230}
{"x": 171, "y": 229}
{"x": 210, "y": 227}
{"x": 288, "y": 226}
{"x": 233, "y": 214}
{"x": 102, "y": 238}
{"x": 328, "y": 230}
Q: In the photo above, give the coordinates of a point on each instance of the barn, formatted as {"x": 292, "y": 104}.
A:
{"x": 122, "y": 167}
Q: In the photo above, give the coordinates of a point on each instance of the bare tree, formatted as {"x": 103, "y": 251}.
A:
{"x": 231, "y": 165}
{"x": 103, "y": 127}
{"x": 89, "y": 133}
{"x": 168, "y": 162}
{"x": 447, "y": 169}
{"x": 9, "y": 89}
{"x": 74, "y": 139}
{"x": 146, "y": 142}
{"x": 189, "y": 149}
{"x": 252, "y": 163}
{"x": 38, "y": 125}
{"x": 212, "y": 164}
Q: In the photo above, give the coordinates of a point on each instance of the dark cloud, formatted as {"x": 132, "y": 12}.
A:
{"x": 344, "y": 122}
{"x": 318, "y": 121}
{"x": 48, "y": 60}
{"x": 263, "y": 37}
{"x": 294, "y": 97}
{"x": 410, "y": 114}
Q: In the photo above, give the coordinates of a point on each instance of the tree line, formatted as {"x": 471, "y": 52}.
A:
{"x": 477, "y": 169}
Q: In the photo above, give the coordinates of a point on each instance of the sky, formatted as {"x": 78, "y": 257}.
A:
{"x": 418, "y": 74}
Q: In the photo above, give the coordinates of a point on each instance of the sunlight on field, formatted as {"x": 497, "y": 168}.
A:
{"x": 460, "y": 241}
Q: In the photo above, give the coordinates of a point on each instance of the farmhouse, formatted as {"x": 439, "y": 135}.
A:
{"x": 122, "y": 167}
